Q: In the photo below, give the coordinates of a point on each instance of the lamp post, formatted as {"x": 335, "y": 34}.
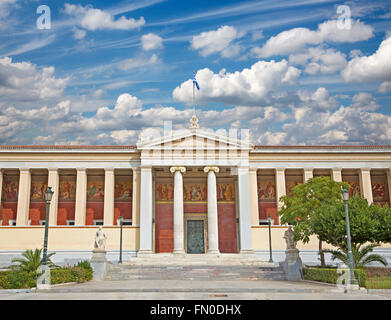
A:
{"x": 121, "y": 220}
{"x": 269, "y": 220}
{"x": 48, "y": 198}
{"x": 345, "y": 198}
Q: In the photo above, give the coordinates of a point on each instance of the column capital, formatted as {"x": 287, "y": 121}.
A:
{"x": 211, "y": 169}
{"x": 110, "y": 170}
{"x": 136, "y": 170}
{"x": 308, "y": 169}
{"x": 365, "y": 169}
{"x": 52, "y": 169}
{"x": 280, "y": 170}
{"x": 180, "y": 169}
{"x": 81, "y": 170}
{"x": 24, "y": 170}
{"x": 336, "y": 169}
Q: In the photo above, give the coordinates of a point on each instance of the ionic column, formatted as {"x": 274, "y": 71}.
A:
{"x": 280, "y": 186}
{"x": 254, "y": 197}
{"x": 308, "y": 174}
{"x": 213, "y": 228}
{"x": 336, "y": 174}
{"x": 53, "y": 182}
{"x": 245, "y": 216}
{"x": 366, "y": 185}
{"x": 146, "y": 211}
{"x": 136, "y": 197}
{"x": 179, "y": 246}
{"x": 108, "y": 209}
{"x": 22, "y": 215}
{"x": 81, "y": 197}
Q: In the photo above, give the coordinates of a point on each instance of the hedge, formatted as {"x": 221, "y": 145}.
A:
{"x": 331, "y": 275}
{"x": 17, "y": 279}
{"x": 377, "y": 272}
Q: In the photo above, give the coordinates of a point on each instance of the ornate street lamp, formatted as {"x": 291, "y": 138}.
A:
{"x": 48, "y": 198}
{"x": 121, "y": 221}
{"x": 345, "y": 198}
{"x": 269, "y": 220}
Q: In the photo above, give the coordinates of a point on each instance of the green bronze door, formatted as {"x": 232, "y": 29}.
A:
{"x": 195, "y": 236}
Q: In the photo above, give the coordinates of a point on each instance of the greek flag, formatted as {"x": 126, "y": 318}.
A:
{"x": 195, "y": 82}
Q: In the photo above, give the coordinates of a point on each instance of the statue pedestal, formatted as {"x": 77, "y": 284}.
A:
{"x": 99, "y": 264}
{"x": 292, "y": 265}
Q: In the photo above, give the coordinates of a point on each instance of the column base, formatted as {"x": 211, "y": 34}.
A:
{"x": 247, "y": 251}
{"x": 144, "y": 252}
{"x": 179, "y": 252}
{"x": 215, "y": 252}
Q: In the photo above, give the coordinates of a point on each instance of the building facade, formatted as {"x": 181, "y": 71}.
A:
{"x": 189, "y": 192}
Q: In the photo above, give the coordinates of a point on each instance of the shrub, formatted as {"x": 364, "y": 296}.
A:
{"x": 70, "y": 274}
{"x": 17, "y": 279}
{"x": 377, "y": 272}
{"x": 331, "y": 275}
{"x": 22, "y": 279}
{"x": 85, "y": 264}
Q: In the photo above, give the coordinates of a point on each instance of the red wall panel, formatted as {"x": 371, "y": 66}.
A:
{"x": 268, "y": 207}
{"x": 164, "y": 227}
{"x": 227, "y": 228}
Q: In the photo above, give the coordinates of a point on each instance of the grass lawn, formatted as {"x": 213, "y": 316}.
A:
{"x": 378, "y": 283}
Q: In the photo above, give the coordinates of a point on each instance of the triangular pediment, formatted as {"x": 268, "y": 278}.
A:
{"x": 194, "y": 139}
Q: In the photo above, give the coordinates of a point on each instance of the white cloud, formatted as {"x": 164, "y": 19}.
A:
{"x": 132, "y": 63}
{"x": 79, "y": 33}
{"x": 294, "y": 40}
{"x": 95, "y": 19}
{"x": 217, "y": 41}
{"x": 247, "y": 87}
{"x": 385, "y": 87}
{"x": 376, "y": 67}
{"x": 21, "y": 81}
{"x": 319, "y": 60}
{"x": 151, "y": 41}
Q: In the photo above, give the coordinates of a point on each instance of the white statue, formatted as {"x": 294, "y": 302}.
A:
{"x": 100, "y": 239}
{"x": 289, "y": 237}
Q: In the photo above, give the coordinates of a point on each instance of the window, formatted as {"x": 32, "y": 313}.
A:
{"x": 12, "y": 222}
{"x": 42, "y": 222}
{"x": 98, "y": 222}
{"x": 70, "y": 222}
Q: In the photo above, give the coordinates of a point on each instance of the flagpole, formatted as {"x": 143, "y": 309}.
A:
{"x": 194, "y": 99}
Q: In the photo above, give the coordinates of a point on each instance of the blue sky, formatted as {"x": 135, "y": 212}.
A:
{"x": 293, "y": 72}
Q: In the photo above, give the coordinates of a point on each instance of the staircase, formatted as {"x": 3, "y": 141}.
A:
{"x": 196, "y": 267}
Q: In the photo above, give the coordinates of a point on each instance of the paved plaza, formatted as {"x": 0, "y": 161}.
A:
{"x": 192, "y": 290}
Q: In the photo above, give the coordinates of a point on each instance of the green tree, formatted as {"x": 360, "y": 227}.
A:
{"x": 307, "y": 201}
{"x": 361, "y": 255}
{"x": 31, "y": 260}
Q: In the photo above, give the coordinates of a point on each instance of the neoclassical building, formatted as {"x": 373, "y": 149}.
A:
{"x": 187, "y": 192}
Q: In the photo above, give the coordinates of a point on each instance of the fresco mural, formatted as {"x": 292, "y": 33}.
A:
{"x": 225, "y": 192}
{"x": 164, "y": 192}
{"x": 123, "y": 190}
{"x": 290, "y": 185}
{"x": 195, "y": 192}
{"x": 95, "y": 190}
{"x": 354, "y": 188}
{"x": 10, "y": 189}
{"x": 67, "y": 190}
{"x": 266, "y": 190}
{"x": 379, "y": 191}
{"x": 38, "y": 189}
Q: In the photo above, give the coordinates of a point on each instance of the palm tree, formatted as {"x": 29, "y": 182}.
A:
{"x": 361, "y": 256}
{"x": 31, "y": 261}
